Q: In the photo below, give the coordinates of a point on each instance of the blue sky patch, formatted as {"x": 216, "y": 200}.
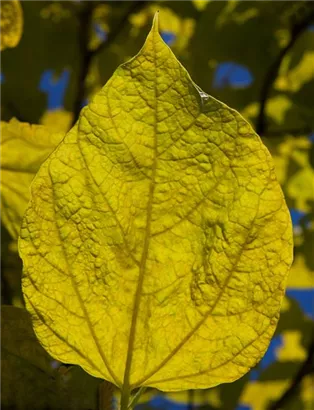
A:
{"x": 100, "y": 32}
{"x": 84, "y": 102}
{"x": 296, "y": 216}
{"x": 162, "y": 403}
{"x": 168, "y": 37}
{"x": 305, "y": 298}
{"x": 229, "y": 74}
{"x": 54, "y": 88}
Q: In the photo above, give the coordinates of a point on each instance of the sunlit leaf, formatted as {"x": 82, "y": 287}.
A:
{"x": 200, "y": 4}
{"x": 290, "y": 155}
{"x": 55, "y": 11}
{"x": 57, "y": 120}
{"x": 259, "y": 395}
{"x": 24, "y": 148}
{"x": 157, "y": 241}
{"x": 11, "y": 23}
{"x": 307, "y": 391}
{"x": 276, "y": 109}
{"x": 300, "y": 274}
{"x": 300, "y": 187}
{"x": 293, "y": 79}
{"x": 292, "y": 350}
{"x": 178, "y": 28}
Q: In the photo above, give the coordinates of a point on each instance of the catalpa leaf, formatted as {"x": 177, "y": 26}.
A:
{"x": 24, "y": 148}
{"x": 157, "y": 241}
{"x": 11, "y": 22}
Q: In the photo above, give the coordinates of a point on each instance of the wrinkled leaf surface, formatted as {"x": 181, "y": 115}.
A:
{"x": 157, "y": 241}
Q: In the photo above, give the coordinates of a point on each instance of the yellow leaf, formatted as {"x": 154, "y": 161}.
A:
{"x": 300, "y": 187}
{"x": 301, "y": 276}
{"x": 11, "y": 23}
{"x": 24, "y": 148}
{"x": 293, "y": 79}
{"x": 292, "y": 349}
{"x": 57, "y": 120}
{"x": 277, "y": 108}
{"x": 182, "y": 28}
{"x": 200, "y": 5}
{"x": 258, "y": 395}
{"x": 157, "y": 241}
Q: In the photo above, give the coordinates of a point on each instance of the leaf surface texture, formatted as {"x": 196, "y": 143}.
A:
{"x": 11, "y": 21}
{"x": 157, "y": 241}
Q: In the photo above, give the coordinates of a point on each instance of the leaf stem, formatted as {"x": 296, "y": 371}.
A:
{"x": 125, "y": 397}
{"x": 136, "y": 397}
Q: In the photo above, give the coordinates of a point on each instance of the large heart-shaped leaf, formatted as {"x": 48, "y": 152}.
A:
{"x": 157, "y": 241}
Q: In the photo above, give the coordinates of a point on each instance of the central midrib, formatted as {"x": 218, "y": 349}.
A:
{"x": 142, "y": 267}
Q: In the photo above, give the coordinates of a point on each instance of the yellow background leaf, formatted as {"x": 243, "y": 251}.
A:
{"x": 11, "y": 22}
{"x": 24, "y": 148}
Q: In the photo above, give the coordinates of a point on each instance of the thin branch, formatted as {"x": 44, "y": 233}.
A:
{"x": 6, "y": 297}
{"x": 136, "y": 6}
{"x": 87, "y": 55}
{"x": 306, "y": 369}
{"x": 191, "y": 400}
{"x": 297, "y": 30}
{"x": 85, "y": 21}
{"x": 297, "y": 132}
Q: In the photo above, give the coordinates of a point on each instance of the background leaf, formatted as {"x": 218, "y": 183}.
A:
{"x": 24, "y": 148}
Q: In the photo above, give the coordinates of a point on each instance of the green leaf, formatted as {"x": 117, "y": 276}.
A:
{"x": 157, "y": 241}
{"x": 24, "y": 148}
{"x": 24, "y": 362}
{"x": 28, "y": 379}
{"x": 11, "y": 23}
{"x": 45, "y": 23}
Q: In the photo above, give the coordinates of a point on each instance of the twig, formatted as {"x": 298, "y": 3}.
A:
{"x": 306, "y": 368}
{"x": 85, "y": 21}
{"x": 135, "y": 7}
{"x": 191, "y": 400}
{"x": 87, "y": 55}
{"x": 272, "y": 74}
{"x": 298, "y": 132}
{"x": 6, "y": 297}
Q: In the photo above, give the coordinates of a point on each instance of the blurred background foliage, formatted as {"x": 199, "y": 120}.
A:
{"x": 257, "y": 57}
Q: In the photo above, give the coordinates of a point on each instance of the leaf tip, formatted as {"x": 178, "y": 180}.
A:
{"x": 155, "y": 26}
